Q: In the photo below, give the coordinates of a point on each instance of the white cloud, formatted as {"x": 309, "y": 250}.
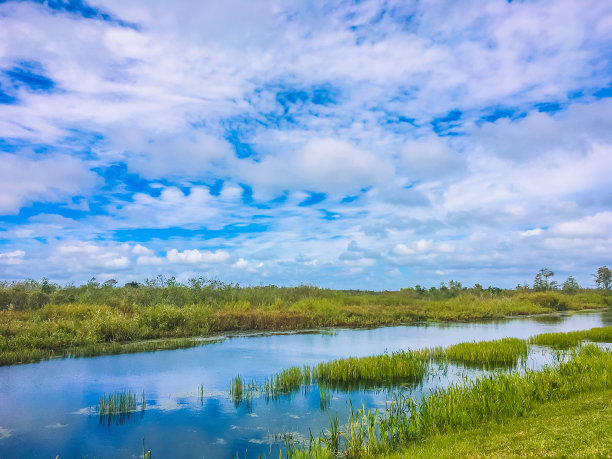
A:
{"x": 149, "y": 260}
{"x": 142, "y": 250}
{"x": 194, "y": 256}
{"x": 12, "y": 258}
{"x": 163, "y": 99}
{"x": 431, "y": 158}
{"x": 403, "y": 249}
{"x": 53, "y": 178}
{"x": 241, "y": 263}
{"x": 322, "y": 165}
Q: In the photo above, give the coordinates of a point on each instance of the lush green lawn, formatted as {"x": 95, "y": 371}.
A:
{"x": 578, "y": 427}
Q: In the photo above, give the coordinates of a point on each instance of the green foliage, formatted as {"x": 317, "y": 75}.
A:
{"x": 576, "y": 427}
{"x": 603, "y": 278}
{"x": 570, "y": 285}
{"x": 550, "y": 300}
{"x": 39, "y": 320}
{"x": 495, "y": 398}
{"x": 119, "y": 406}
{"x": 379, "y": 371}
{"x": 543, "y": 281}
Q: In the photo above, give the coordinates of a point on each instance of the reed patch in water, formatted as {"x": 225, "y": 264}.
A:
{"x": 119, "y": 406}
{"x": 574, "y": 338}
{"x": 503, "y": 352}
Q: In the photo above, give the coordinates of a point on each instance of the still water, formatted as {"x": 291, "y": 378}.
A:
{"x": 48, "y": 408}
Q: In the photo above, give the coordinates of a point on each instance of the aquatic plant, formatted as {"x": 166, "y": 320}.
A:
{"x": 324, "y": 397}
{"x": 119, "y": 406}
{"x": 502, "y": 352}
{"x": 376, "y": 371}
{"x": 237, "y": 389}
{"x": 287, "y": 381}
{"x": 572, "y": 339}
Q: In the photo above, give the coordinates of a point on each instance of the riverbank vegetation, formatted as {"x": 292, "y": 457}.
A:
{"x": 39, "y": 320}
{"x": 498, "y": 398}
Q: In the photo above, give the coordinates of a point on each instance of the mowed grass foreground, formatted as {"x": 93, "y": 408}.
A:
{"x": 576, "y": 427}
{"x": 101, "y": 320}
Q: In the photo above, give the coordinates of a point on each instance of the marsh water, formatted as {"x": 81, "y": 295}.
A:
{"x": 49, "y": 408}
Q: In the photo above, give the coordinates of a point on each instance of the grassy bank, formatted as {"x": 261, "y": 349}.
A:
{"x": 33, "y": 333}
{"x": 577, "y": 427}
{"x": 498, "y": 399}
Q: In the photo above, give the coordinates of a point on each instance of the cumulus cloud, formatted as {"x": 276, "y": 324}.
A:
{"x": 331, "y": 143}
{"x": 241, "y": 263}
{"x": 323, "y": 165}
{"x": 431, "y": 159}
{"x": 54, "y": 178}
{"x": 12, "y": 258}
{"x": 194, "y": 256}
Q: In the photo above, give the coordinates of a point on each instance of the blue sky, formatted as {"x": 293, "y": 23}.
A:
{"x": 349, "y": 144}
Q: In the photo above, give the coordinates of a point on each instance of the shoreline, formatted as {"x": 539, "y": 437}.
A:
{"x": 174, "y": 343}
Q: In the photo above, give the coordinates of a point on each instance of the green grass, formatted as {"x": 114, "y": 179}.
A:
{"x": 577, "y": 427}
{"x": 503, "y": 352}
{"x": 495, "y": 398}
{"x": 385, "y": 370}
{"x": 288, "y": 381}
{"x": 573, "y": 339}
{"x": 91, "y": 350}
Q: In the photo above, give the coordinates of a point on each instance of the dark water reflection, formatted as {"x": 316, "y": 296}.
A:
{"x": 46, "y": 408}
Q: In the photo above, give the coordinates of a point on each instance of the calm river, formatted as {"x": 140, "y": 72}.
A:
{"x": 48, "y": 408}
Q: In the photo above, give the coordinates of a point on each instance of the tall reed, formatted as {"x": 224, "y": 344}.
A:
{"x": 119, "y": 406}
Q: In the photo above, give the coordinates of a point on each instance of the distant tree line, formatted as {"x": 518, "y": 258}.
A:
{"x": 32, "y": 294}
{"x": 544, "y": 282}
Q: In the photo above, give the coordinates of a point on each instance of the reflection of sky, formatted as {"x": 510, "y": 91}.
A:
{"x": 39, "y": 402}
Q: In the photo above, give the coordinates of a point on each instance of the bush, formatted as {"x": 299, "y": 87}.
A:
{"x": 549, "y": 300}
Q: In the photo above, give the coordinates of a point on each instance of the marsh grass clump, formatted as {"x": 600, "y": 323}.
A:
{"x": 559, "y": 340}
{"x": 572, "y": 339}
{"x": 600, "y": 335}
{"x": 287, "y": 382}
{"x": 243, "y": 393}
{"x": 381, "y": 371}
{"x": 504, "y": 352}
{"x": 119, "y": 406}
{"x": 377, "y": 371}
{"x": 237, "y": 389}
